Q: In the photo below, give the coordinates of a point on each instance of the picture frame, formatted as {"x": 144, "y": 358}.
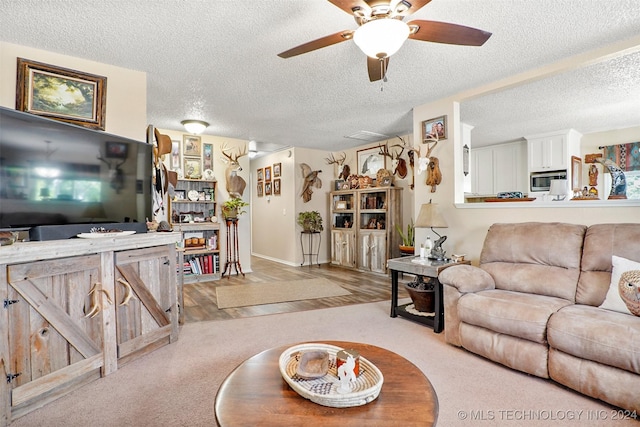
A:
{"x": 260, "y": 174}
{"x": 338, "y": 184}
{"x": 436, "y": 126}
{"x": 39, "y": 90}
{"x": 209, "y": 194}
{"x": 576, "y": 173}
{"x": 341, "y": 204}
{"x": 116, "y": 150}
{"x": 192, "y": 168}
{"x": 175, "y": 155}
{"x": 385, "y": 181}
{"x": 267, "y": 173}
{"x": 260, "y": 188}
{"x": 191, "y": 145}
{"x": 277, "y": 169}
{"x": 276, "y": 187}
{"x": 267, "y": 188}
{"x": 179, "y": 194}
{"x": 370, "y": 161}
{"x": 207, "y": 156}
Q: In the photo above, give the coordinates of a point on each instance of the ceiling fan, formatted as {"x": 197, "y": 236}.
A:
{"x": 381, "y": 32}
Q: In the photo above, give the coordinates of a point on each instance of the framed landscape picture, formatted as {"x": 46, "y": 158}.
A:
{"x": 62, "y": 94}
{"x": 191, "y": 145}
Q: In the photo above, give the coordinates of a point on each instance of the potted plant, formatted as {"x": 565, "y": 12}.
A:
{"x": 233, "y": 207}
{"x": 310, "y": 221}
{"x": 408, "y": 240}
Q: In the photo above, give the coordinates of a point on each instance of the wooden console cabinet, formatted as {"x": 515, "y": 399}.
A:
{"x": 74, "y": 310}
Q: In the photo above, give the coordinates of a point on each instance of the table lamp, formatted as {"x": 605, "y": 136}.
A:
{"x": 558, "y": 188}
{"x": 429, "y": 217}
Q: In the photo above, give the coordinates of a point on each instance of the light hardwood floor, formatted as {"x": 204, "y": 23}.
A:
{"x": 200, "y": 298}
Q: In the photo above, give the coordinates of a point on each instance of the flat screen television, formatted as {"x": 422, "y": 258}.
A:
{"x": 55, "y": 173}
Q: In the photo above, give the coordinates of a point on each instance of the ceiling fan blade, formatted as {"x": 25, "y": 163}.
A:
{"x": 377, "y": 68}
{"x": 444, "y": 32}
{"x": 318, "y": 44}
{"x": 348, "y": 5}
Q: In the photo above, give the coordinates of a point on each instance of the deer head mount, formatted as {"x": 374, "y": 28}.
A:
{"x": 346, "y": 170}
{"x": 116, "y": 175}
{"x": 235, "y": 184}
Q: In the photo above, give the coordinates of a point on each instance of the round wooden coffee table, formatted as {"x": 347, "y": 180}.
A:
{"x": 255, "y": 394}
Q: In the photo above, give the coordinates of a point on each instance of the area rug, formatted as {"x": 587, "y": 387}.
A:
{"x": 273, "y": 292}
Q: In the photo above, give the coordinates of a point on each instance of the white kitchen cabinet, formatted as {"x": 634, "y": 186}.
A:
{"x": 552, "y": 151}
{"x": 499, "y": 168}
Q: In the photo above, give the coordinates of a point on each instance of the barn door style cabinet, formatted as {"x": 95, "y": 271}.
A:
{"x": 363, "y": 233}
{"x": 67, "y": 321}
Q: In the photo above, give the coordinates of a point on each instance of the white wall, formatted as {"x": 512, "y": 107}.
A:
{"x": 126, "y": 106}
{"x": 273, "y": 232}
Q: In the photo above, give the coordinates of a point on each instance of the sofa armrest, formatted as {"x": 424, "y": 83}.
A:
{"x": 456, "y": 281}
{"x": 467, "y": 278}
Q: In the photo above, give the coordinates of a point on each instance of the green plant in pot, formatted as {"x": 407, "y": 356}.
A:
{"x": 408, "y": 239}
{"x": 233, "y": 208}
{"x": 310, "y": 221}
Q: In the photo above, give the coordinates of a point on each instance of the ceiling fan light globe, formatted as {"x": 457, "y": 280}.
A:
{"x": 195, "y": 127}
{"x": 381, "y": 38}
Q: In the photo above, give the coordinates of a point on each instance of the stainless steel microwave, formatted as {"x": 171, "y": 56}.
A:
{"x": 541, "y": 181}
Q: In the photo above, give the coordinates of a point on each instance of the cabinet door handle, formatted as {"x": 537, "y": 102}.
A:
{"x": 128, "y": 291}
{"x": 96, "y": 300}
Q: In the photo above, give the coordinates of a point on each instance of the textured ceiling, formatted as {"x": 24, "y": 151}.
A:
{"x": 217, "y": 61}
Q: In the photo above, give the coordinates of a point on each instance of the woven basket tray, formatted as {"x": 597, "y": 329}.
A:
{"x": 323, "y": 390}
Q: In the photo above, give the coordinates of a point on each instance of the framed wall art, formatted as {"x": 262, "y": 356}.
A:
{"x": 276, "y": 187}
{"x": 179, "y": 194}
{"x": 267, "y": 188}
{"x": 276, "y": 169}
{"x": 62, "y": 94}
{"x": 207, "y": 156}
{"x": 370, "y": 161}
{"x": 191, "y": 145}
{"x": 192, "y": 168}
{"x": 175, "y": 155}
{"x": 576, "y": 173}
{"x": 267, "y": 173}
{"x": 260, "y": 174}
{"x": 260, "y": 188}
{"x": 435, "y": 128}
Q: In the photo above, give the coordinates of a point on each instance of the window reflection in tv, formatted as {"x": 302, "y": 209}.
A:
{"x": 56, "y": 173}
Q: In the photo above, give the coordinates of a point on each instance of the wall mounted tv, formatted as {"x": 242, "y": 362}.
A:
{"x": 54, "y": 173}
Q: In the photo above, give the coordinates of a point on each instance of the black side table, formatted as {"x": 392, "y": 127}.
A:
{"x": 419, "y": 267}
{"x": 310, "y": 252}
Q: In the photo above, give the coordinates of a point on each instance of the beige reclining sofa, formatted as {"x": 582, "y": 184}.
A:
{"x": 533, "y": 302}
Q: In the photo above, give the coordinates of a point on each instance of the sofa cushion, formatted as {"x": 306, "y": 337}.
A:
{"x": 511, "y": 313}
{"x": 601, "y": 242}
{"x": 624, "y": 297}
{"x": 602, "y": 336}
{"x": 534, "y": 257}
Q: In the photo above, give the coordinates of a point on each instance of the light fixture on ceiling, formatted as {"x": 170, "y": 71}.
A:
{"x": 195, "y": 127}
{"x": 381, "y": 38}
{"x": 253, "y": 149}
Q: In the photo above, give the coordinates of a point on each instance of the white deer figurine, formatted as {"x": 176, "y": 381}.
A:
{"x": 235, "y": 183}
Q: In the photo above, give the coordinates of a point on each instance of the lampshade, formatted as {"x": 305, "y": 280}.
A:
{"x": 195, "y": 127}
{"x": 382, "y": 37}
{"x": 430, "y": 217}
{"x": 558, "y": 188}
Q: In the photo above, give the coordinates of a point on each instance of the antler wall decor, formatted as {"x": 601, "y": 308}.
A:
{"x": 346, "y": 170}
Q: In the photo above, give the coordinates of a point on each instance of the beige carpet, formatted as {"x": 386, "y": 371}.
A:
{"x": 176, "y": 385}
{"x": 273, "y": 292}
